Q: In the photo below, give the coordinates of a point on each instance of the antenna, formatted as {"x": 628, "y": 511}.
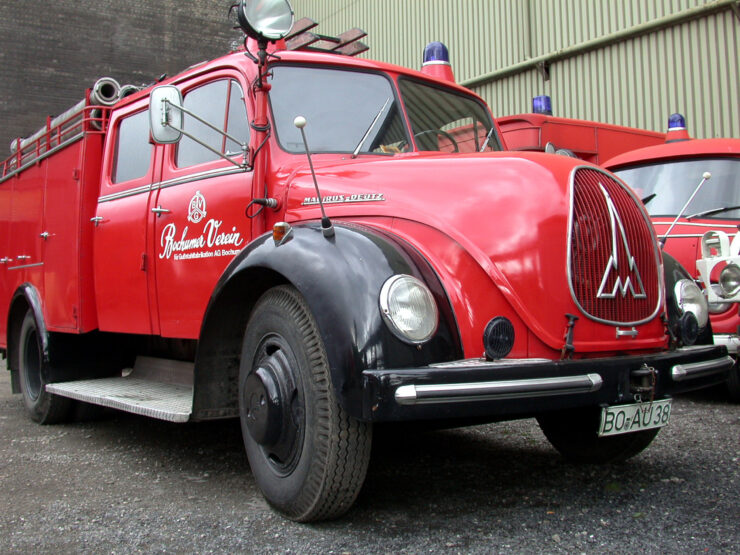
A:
{"x": 705, "y": 176}
{"x": 327, "y": 227}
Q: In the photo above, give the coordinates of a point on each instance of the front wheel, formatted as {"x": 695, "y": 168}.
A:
{"x": 733, "y": 383}
{"x": 574, "y": 434}
{"x": 308, "y": 456}
{"x": 42, "y": 407}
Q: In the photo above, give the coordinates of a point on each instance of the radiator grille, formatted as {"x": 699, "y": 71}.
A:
{"x": 613, "y": 263}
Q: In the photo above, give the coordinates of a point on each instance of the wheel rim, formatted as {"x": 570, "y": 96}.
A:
{"x": 32, "y": 365}
{"x": 275, "y": 408}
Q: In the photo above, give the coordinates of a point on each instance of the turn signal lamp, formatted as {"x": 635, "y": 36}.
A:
{"x": 436, "y": 62}
{"x": 676, "y": 129}
{"x": 281, "y": 232}
{"x": 542, "y": 105}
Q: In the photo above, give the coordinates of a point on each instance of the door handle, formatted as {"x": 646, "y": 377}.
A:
{"x": 5, "y": 260}
{"x": 159, "y": 211}
{"x": 96, "y": 220}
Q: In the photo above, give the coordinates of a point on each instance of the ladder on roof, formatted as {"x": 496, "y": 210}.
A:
{"x": 302, "y": 38}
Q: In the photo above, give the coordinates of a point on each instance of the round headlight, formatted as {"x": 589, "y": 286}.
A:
{"x": 718, "y": 308}
{"x": 408, "y": 308}
{"x": 729, "y": 280}
{"x": 689, "y": 298}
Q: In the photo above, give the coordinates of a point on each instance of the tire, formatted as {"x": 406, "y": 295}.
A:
{"x": 308, "y": 456}
{"x": 733, "y": 383}
{"x": 41, "y": 406}
{"x": 574, "y": 434}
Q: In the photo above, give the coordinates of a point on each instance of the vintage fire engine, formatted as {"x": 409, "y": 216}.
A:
{"x": 652, "y": 162}
{"x": 691, "y": 189}
{"x": 316, "y": 243}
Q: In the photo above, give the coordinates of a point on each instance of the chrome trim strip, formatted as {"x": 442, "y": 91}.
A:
{"x": 731, "y": 341}
{"x": 427, "y": 394}
{"x": 483, "y": 363}
{"x": 171, "y": 183}
{"x": 709, "y": 225}
{"x": 66, "y": 143}
{"x": 658, "y": 265}
{"x": 692, "y": 370}
{"x": 35, "y": 264}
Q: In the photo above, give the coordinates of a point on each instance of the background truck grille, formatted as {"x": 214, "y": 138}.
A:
{"x": 613, "y": 259}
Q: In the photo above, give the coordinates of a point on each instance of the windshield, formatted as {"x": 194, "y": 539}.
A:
{"x": 673, "y": 183}
{"x": 445, "y": 121}
{"x": 353, "y": 111}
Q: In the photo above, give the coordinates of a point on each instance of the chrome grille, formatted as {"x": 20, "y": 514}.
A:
{"x": 613, "y": 259}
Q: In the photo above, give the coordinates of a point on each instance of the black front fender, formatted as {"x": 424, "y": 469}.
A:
{"x": 340, "y": 278}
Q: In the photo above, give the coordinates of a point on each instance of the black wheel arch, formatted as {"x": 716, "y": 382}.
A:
{"x": 25, "y": 297}
{"x": 340, "y": 278}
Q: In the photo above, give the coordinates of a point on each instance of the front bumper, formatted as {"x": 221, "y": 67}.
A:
{"x": 508, "y": 389}
{"x": 731, "y": 341}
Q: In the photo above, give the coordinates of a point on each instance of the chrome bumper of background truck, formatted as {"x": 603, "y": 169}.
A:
{"x": 507, "y": 388}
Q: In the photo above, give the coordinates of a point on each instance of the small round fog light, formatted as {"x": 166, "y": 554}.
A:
{"x": 498, "y": 338}
{"x": 688, "y": 327}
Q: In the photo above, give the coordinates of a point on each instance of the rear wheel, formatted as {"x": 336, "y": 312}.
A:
{"x": 42, "y": 407}
{"x": 308, "y": 456}
{"x": 574, "y": 434}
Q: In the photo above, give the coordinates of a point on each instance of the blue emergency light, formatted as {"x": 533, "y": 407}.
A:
{"x": 676, "y": 122}
{"x": 542, "y": 105}
{"x": 436, "y": 53}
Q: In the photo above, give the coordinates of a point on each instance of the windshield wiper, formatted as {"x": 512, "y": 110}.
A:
{"x": 713, "y": 211}
{"x": 369, "y": 129}
{"x": 648, "y": 198}
{"x": 488, "y": 138}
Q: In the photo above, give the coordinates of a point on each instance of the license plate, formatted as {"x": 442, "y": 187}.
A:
{"x": 622, "y": 419}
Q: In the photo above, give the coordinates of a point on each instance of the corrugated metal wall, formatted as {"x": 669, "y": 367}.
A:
{"x": 639, "y": 62}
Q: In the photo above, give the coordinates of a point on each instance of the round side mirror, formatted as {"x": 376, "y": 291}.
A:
{"x": 265, "y": 19}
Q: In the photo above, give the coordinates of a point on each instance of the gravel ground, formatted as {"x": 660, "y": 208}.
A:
{"x": 131, "y": 485}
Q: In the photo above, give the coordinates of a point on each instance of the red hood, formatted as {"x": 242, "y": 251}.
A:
{"x": 509, "y": 212}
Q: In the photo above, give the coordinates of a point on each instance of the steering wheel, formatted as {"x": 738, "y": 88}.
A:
{"x": 435, "y": 132}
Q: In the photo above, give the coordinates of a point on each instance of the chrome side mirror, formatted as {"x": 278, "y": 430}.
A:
{"x": 165, "y": 114}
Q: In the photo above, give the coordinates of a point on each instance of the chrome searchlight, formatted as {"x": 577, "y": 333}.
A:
{"x": 265, "y": 19}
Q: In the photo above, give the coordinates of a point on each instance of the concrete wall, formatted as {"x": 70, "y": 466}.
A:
{"x": 50, "y": 52}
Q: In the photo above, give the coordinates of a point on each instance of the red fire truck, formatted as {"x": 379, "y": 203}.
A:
{"x": 654, "y": 162}
{"x": 692, "y": 187}
{"x": 298, "y": 239}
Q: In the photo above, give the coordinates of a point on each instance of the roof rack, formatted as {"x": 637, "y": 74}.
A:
{"x": 347, "y": 43}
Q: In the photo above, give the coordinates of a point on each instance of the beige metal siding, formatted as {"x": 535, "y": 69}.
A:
{"x": 635, "y": 77}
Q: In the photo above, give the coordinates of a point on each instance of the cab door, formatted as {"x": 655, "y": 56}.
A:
{"x": 200, "y": 222}
{"x": 122, "y": 236}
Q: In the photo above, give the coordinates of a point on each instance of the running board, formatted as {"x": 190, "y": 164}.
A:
{"x": 157, "y": 388}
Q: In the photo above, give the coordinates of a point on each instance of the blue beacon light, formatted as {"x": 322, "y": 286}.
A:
{"x": 542, "y": 105}
{"x": 676, "y": 129}
{"x": 436, "y": 53}
{"x": 677, "y": 122}
{"x": 436, "y": 62}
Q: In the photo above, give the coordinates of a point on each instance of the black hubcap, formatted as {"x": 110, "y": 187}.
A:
{"x": 274, "y": 408}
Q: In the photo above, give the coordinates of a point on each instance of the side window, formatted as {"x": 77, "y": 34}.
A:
{"x": 133, "y": 149}
{"x": 220, "y": 103}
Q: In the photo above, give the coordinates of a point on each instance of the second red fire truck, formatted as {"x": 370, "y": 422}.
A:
{"x": 315, "y": 243}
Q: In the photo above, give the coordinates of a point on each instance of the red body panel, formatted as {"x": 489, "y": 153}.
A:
{"x": 589, "y": 140}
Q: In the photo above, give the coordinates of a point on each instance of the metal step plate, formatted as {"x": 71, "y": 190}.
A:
{"x": 164, "y": 401}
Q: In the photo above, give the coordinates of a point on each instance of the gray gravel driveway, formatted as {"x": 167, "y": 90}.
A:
{"x": 128, "y": 485}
